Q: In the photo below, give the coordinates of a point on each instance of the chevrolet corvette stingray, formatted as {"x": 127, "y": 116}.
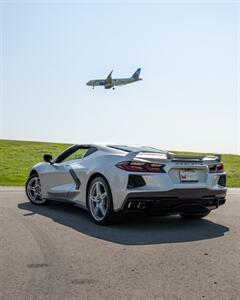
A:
{"x": 108, "y": 180}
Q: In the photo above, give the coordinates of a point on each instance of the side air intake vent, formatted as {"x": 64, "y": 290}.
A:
{"x": 222, "y": 180}
{"x": 135, "y": 181}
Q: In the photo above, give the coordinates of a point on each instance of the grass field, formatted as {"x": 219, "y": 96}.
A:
{"x": 17, "y": 158}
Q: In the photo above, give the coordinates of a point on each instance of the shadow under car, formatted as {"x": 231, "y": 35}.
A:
{"x": 133, "y": 229}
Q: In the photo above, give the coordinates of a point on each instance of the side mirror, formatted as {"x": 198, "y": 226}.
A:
{"x": 47, "y": 158}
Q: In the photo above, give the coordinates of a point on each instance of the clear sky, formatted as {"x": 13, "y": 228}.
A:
{"x": 189, "y": 55}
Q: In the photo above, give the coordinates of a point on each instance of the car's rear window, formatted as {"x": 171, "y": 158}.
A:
{"x": 135, "y": 148}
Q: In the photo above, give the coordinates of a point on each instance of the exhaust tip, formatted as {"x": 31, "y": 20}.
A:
{"x": 136, "y": 205}
{"x": 141, "y": 205}
{"x": 132, "y": 205}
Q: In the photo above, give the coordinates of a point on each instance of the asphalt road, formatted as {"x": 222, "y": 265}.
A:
{"x": 57, "y": 252}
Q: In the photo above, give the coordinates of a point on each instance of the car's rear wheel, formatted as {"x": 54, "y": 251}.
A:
{"x": 99, "y": 201}
{"x": 34, "y": 190}
{"x": 195, "y": 215}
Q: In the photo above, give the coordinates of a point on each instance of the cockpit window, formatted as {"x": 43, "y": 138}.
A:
{"x": 78, "y": 154}
{"x": 75, "y": 152}
{"x": 135, "y": 148}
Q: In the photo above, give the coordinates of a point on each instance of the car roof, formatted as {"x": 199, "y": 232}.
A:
{"x": 120, "y": 148}
{"x": 100, "y": 146}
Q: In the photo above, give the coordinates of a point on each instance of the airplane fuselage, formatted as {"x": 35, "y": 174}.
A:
{"x": 115, "y": 82}
{"x": 109, "y": 82}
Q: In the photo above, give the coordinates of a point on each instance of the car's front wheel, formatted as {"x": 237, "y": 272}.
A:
{"x": 34, "y": 190}
{"x": 99, "y": 201}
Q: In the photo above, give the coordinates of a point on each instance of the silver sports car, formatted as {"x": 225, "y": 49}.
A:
{"x": 113, "y": 179}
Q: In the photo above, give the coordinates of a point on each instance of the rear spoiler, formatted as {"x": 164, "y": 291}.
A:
{"x": 174, "y": 157}
{"x": 183, "y": 157}
{"x": 145, "y": 154}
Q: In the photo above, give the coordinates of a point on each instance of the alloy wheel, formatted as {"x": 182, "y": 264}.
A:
{"x": 34, "y": 190}
{"x": 98, "y": 201}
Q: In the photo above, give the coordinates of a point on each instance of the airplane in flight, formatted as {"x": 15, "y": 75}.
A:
{"x": 109, "y": 82}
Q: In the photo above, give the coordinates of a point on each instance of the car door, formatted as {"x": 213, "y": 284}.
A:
{"x": 59, "y": 177}
{"x": 57, "y": 181}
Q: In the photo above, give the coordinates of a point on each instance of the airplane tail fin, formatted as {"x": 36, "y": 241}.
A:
{"x": 136, "y": 74}
{"x": 109, "y": 78}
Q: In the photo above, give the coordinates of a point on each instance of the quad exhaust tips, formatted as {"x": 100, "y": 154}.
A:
{"x": 136, "y": 205}
{"x": 141, "y": 205}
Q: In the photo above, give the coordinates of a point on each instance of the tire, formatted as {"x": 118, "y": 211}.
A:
{"x": 194, "y": 216}
{"x": 33, "y": 190}
{"x": 99, "y": 202}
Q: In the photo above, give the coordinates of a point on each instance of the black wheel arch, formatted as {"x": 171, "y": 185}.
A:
{"x": 33, "y": 172}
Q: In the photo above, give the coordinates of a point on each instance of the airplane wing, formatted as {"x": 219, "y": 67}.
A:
{"x": 109, "y": 78}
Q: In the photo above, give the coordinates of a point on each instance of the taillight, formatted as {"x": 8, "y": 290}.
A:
{"x": 135, "y": 166}
{"x": 216, "y": 168}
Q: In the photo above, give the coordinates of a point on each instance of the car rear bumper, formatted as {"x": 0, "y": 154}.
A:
{"x": 174, "y": 201}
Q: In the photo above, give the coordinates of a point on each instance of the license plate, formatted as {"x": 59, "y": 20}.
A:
{"x": 188, "y": 176}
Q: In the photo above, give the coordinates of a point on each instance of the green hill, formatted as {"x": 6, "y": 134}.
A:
{"x": 17, "y": 158}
